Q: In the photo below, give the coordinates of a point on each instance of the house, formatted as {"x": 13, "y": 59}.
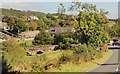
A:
{"x": 32, "y": 18}
{"x": 4, "y": 26}
{"x": 54, "y": 30}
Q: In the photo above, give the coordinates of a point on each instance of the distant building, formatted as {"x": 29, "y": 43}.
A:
{"x": 4, "y": 26}
{"x": 54, "y": 30}
{"x": 32, "y": 18}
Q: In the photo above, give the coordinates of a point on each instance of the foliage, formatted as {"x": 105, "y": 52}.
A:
{"x": 113, "y": 31}
{"x": 20, "y": 25}
{"x": 17, "y": 24}
{"x": 9, "y": 47}
{"x": 64, "y": 38}
{"x": 5, "y": 19}
{"x": 64, "y": 59}
{"x": 91, "y": 30}
{"x": 61, "y": 9}
{"x": 85, "y": 52}
{"x": 14, "y": 55}
{"x": 91, "y": 24}
{"x": 65, "y": 46}
{"x": 32, "y": 25}
{"x": 43, "y": 38}
{"x": 41, "y": 25}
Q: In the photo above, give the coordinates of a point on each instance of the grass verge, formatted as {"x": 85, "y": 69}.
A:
{"x": 83, "y": 67}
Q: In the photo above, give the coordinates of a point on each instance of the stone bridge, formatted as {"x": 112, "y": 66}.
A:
{"x": 40, "y": 49}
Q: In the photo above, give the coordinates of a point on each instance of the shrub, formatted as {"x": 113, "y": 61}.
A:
{"x": 67, "y": 46}
{"x": 98, "y": 54}
{"x": 78, "y": 58}
{"x": 43, "y": 38}
{"x": 64, "y": 59}
{"x": 80, "y": 49}
{"x": 51, "y": 64}
{"x": 86, "y": 53}
{"x": 60, "y": 45}
{"x": 66, "y": 40}
{"x": 64, "y": 46}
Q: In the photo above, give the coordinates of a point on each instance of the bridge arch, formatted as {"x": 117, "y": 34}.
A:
{"x": 39, "y": 52}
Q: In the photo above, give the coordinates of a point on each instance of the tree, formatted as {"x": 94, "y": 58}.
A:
{"x": 32, "y": 25}
{"x": 61, "y": 9}
{"x": 20, "y": 25}
{"x": 11, "y": 22}
{"x": 64, "y": 38}
{"x": 41, "y": 25}
{"x": 5, "y": 19}
{"x": 91, "y": 25}
{"x": 43, "y": 38}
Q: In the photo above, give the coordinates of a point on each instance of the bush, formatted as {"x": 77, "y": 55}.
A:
{"x": 78, "y": 58}
{"x": 67, "y": 46}
{"x": 60, "y": 45}
{"x": 64, "y": 38}
{"x": 98, "y": 54}
{"x": 86, "y": 53}
{"x": 64, "y": 46}
{"x": 80, "y": 49}
{"x": 43, "y": 38}
{"x": 52, "y": 64}
{"x": 64, "y": 59}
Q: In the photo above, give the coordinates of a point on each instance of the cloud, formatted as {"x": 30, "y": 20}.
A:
{"x": 15, "y": 4}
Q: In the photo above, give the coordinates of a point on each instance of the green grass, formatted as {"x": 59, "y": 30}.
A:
{"x": 83, "y": 67}
{"x": 21, "y": 61}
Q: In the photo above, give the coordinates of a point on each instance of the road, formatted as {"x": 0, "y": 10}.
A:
{"x": 111, "y": 65}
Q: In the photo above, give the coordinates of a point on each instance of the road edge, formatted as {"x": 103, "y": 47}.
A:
{"x": 102, "y": 62}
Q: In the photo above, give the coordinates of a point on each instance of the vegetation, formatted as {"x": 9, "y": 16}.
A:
{"x": 92, "y": 30}
{"x": 20, "y": 62}
{"x": 43, "y": 38}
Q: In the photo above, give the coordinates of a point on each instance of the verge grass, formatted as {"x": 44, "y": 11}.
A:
{"x": 83, "y": 67}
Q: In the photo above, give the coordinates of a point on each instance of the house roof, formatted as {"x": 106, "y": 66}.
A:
{"x": 61, "y": 29}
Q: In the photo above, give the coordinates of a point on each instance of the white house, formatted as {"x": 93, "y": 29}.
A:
{"x": 33, "y": 18}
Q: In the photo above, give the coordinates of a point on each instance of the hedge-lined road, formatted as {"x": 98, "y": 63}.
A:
{"x": 111, "y": 65}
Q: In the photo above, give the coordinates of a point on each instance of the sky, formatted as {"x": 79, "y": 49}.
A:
{"x": 51, "y": 6}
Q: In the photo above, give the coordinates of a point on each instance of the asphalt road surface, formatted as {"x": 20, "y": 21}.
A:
{"x": 111, "y": 65}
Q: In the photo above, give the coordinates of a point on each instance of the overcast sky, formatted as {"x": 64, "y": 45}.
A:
{"x": 51, "y": 6}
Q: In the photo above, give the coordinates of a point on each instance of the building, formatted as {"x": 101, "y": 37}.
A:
{"x": 54, "y": 30}
{"x": 32, "y": 18}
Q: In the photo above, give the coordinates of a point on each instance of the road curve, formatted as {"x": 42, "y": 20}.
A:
{"x": 111, "y": 65}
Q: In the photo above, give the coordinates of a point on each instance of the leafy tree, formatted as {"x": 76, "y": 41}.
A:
{"x": 64, "y": 38}
{"x": 5, "y": 19}
{"x": 61, "y": 9}
{"x": 33, "y": 25}
{"x": 20, "y": 25}
{"x": 43, "y": 38}
{"x": 41, "y": 25}
{"x": 91, "y": 25}
{"x": 11, "y": 22}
